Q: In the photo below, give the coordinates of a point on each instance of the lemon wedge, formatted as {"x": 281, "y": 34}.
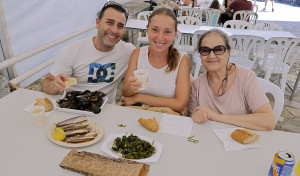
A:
{"x": 70, "y": 82}
{"x": 58, "y": 134}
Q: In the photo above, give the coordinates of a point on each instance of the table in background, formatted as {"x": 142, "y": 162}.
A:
{"x": 133, "y": 24}
{"x": 26, "y": 150}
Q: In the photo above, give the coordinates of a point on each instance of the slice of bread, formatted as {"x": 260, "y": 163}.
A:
{"x": 244, "y": 136}
{"x": 44, "y": 102}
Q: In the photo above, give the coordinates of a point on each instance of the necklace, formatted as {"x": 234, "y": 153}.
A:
{"x": 224, "y": 81}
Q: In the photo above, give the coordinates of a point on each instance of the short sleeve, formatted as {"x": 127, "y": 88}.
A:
{"x": 63, "y": 62}
{"x": 193, "y": 100}
{"x": 255, "y": 96}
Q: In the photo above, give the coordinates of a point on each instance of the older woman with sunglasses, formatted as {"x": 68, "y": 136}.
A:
{"x": 226, "y": 92}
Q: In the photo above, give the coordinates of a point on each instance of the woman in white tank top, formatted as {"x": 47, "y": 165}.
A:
{"x": 168, "y": 70}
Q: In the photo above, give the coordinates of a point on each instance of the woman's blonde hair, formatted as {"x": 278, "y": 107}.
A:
{"x": 173, "y": 55}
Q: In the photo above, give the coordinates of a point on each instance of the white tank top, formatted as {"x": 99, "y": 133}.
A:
{"x": 160, "y": 83}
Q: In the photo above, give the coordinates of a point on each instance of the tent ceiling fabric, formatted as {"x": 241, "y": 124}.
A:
{"x": 33, "y": 23}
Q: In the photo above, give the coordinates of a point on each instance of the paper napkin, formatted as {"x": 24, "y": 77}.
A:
{"x": 229, "y": 143}
{"x": 176, "y": 125}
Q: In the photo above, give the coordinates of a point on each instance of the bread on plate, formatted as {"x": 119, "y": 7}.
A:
{"x": 44, "y": 102}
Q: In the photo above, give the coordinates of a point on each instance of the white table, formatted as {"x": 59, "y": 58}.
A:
{"x": 26, "y": 150}
{"x": 133, "y": 24}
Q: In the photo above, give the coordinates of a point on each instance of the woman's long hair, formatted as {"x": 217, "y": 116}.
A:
{"x": 215, "y": 4}
{"x": 173, "y": 55}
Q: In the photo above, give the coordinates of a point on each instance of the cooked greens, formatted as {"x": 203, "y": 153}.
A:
{"x": 132, "y": 147}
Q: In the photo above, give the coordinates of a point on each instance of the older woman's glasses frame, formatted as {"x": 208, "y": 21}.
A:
{"x": 218, "y": 50}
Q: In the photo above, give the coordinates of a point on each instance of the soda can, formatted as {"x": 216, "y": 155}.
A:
{"x": 282, "y": 164}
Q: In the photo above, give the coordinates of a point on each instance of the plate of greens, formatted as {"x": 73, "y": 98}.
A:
{"x": 134, "y": 147}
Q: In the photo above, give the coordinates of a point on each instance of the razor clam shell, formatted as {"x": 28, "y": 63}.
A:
{"x": 73, "y": 120}
{"x": 78, "y": 139}
{"x": 75, "y": 126}
{"x": 91, "y": 134}
{"x": 77, "y": 132}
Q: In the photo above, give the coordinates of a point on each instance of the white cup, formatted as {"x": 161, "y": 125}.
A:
{"x": 37, "y": 114}
{"x": 141, "y": 76}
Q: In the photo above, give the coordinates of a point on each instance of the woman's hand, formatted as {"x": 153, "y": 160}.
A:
{"x": 130, "y": 100}
{"x": 134, "y": 84}
{"x": 204, "y": 113}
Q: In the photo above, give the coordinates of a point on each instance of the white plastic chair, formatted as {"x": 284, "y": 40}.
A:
{"x": 254, "y": 8}
{"x": 211, "y": 16}
{"x": 196, "y": 56}
{"x": 276, "y": 92}
{"x": 243, "y": 45}
{"x": 185, "y": 43}
{"x": 245, "y": 15}
{"x": 268, "y": 27}
{"x": 279, "y": 56}
{"x": 193, "y": 12}
{"x": 238, "y": 24}
{"x": 143, "y": 39}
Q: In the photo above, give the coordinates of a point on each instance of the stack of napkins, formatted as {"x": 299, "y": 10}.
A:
{"x": 176, "y": 125}
{"x": 229, "y": 143}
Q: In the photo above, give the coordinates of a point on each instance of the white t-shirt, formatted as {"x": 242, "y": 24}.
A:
{"x": 95, "y": 70}
{"x": 159, "y": 83}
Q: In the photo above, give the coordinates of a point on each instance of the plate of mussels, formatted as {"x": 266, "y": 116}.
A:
{"x": 79, "y": 132}
{"x": 82, "y": 102}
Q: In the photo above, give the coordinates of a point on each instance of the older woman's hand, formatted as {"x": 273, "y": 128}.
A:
{"x": 204, "y": 113}
{"x": 134, "y": 84}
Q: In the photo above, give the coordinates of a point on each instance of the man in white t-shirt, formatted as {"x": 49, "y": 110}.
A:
{"x": 99, "y": 62}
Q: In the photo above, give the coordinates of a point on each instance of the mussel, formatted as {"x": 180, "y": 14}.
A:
{"x": 87, "y": 101}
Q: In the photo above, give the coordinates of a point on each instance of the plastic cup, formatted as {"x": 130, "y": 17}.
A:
{"x": 141, "y": 76}
{"x": 37, "y": 114}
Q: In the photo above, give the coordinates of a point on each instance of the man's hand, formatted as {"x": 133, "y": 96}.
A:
{"x": 59, "y": 82}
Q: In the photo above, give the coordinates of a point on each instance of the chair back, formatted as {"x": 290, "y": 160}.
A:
{"x": 189, "y": 20}
{"x": 196, "y": 56}
{"x": 279, "y": 56}
{"x": 193, "y": 12}
{"x": 142, "y": 36}
{"x": 268, "y": 27}
{"x": 245, "y": 15}
{"x": 185, "y": 43}
{"x": 254, "y": 8}
{"x": 211, "y": 16}
{"x": 244, "y": 45}
{"x": 276, "y": 92}
{"x": 238, "y": 24}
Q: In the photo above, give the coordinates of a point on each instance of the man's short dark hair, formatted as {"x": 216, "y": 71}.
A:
{"x": 111, "y": 4}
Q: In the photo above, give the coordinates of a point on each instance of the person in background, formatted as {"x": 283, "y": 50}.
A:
{"x": 168, "y": 69}
{"x": 266, "y": 2}
{"x": 236, "y": 5}
{"x": 98, "y": 62}
{"x": 226, "y": 3}
{"x": 215, "y": 5}
{"x": 226, "y": 92}
{"x": 168, "y": 3}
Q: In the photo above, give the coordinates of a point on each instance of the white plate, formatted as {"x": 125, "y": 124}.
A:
{"x": 80, "y": 111}
{"x": 92, "y": 124}
{"x": 27, "y": 109}
{"x": 108, "y": 143}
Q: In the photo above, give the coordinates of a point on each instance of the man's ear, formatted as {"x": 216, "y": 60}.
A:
{"x": 97, "y": 23}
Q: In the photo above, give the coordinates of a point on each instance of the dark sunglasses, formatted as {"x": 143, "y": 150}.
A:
{"x": 218, "y": 50}
{"x": 112, "y": 3}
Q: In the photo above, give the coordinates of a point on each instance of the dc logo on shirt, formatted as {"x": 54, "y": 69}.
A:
{"x": 101, "y": 73}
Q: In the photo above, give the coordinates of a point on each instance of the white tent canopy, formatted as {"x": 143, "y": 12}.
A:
{"x": 33, "y": 23}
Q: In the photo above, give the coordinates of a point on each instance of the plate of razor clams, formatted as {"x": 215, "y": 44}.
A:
{"x": 79, "y": 132}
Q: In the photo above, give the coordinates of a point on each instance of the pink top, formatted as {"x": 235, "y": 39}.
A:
{"x": 244, "y": 97}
